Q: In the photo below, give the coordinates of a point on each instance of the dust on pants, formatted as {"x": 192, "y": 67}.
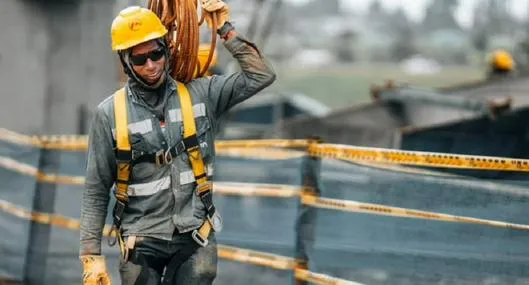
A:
{"x": 148, "y": 261}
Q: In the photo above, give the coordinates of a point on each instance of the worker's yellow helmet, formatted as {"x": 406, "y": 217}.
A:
{"x": 502, "y": 60}
{"x": 203, "y": 54}
{"x": 135, "y": 25}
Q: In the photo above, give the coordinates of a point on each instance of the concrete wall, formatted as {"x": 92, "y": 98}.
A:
{"x": 58, "y": 50}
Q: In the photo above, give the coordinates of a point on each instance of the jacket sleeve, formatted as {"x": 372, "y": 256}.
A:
{"x": 225, "y": 91}
{"x": 100, "y": 176}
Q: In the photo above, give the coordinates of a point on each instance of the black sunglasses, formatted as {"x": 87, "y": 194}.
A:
{"x": 141, "y": 59}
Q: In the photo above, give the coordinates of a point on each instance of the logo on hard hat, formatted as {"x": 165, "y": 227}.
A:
{"x": 135, "y": 25}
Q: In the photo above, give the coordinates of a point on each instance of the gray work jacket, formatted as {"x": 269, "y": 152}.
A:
{"x": 162, "y": 199}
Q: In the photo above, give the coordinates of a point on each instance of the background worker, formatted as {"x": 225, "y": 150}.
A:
{"x": 500, "y": 64}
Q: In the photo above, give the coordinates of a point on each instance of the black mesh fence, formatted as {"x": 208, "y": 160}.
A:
{"x": 363, "y": 247}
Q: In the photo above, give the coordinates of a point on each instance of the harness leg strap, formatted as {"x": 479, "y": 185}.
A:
{"x": 201, "y": 235}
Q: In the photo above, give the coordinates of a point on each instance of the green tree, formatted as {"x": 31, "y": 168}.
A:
{"x": 404, "y": 43}
{"x": 440, "y": 15}
{"x": 376, "y": 10}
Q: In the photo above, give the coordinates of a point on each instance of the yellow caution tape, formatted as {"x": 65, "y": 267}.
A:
{"x": 265, "y": 143}
{"x": 62, "y": 145}
{"x": 268, "y": 149}
{"x": 321, "y": 279}
{"x": 64, "y": 142}
{"x": 417, "y": 158}
{"x": 43, "y": 218}
{"x": 404, "y": 169}
{"x": 285, "y": 191}
{"x": 253, "y": 149}
{"x": 223, "y": 188}
{"x": 377, "y": 209}
{"x": 259, "y": 153}
{"x": 23, "y": 168}
{"x": 256, "y": 189}
{"x": 15, "y": 138}
{"x": 256, "y": 258}
{"x": 278, "y": 262}
{"x": 20, "y": 167}
{"x": 80, "y": 142}
{"x": 60, "y": 142}
{"x": 225, "y": 252}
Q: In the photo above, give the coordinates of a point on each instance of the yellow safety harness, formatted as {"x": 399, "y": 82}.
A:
{"x": 124, "y": 158}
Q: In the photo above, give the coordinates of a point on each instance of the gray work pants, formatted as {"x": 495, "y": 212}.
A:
{"x": 150, "y": 258}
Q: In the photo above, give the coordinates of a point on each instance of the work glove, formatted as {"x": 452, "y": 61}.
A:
{"x": 218, "y": 7}
{"x": 95, "y": 270}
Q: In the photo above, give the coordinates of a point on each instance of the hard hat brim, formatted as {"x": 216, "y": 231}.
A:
{"x": 131, "y": 43}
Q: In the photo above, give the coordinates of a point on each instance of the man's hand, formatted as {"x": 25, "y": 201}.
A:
{"x": 217, "y": 7}
{"x": 95, "y": 270}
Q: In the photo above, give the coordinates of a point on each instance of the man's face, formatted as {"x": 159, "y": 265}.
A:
{"x": 148, "y": 61}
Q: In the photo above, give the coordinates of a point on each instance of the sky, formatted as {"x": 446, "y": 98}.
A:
{"x": 415, "y": 8}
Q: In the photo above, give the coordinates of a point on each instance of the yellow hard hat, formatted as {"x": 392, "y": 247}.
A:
{"x": 502, "y": 60}
{"x": 203, "y": 54}
{"x": 135, "y": 25}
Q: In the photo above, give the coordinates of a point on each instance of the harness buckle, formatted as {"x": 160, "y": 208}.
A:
{"x": 113, "y": 239}
{"x": 159, "y": 158}
{"x": 163, "y": 157}
{"x": 201, "y": 188}
{"x": 168, "y": 157}
{"x": 198, "y": 238}
{"x": 117, "y": 213}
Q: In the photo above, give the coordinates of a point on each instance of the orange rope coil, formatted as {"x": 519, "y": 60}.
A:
{"x": 180, "y": 17}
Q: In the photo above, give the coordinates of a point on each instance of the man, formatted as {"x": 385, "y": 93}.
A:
{"x": 160, "y": 218}
{"x": 501, "y": 64}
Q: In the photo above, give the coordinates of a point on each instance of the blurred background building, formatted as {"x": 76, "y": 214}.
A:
{"x": 62, "y": 47}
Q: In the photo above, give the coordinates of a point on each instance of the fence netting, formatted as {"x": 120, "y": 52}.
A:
{"x": 363, "y": 222}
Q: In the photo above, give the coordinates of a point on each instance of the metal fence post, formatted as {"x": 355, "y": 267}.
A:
{"x": 306, "y": 222}
{"x": 60, "y": 20}
{"x": 39, "y": 234}
{"x": 83, "y": 117}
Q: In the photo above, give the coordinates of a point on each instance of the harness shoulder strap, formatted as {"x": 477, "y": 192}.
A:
{"x": 124, "y": 164}
{"x": 190, "y": 134}
{"x": 124, "y": 150}
{"x": 204, "y": 187}
{"x": 120, "y": 112}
